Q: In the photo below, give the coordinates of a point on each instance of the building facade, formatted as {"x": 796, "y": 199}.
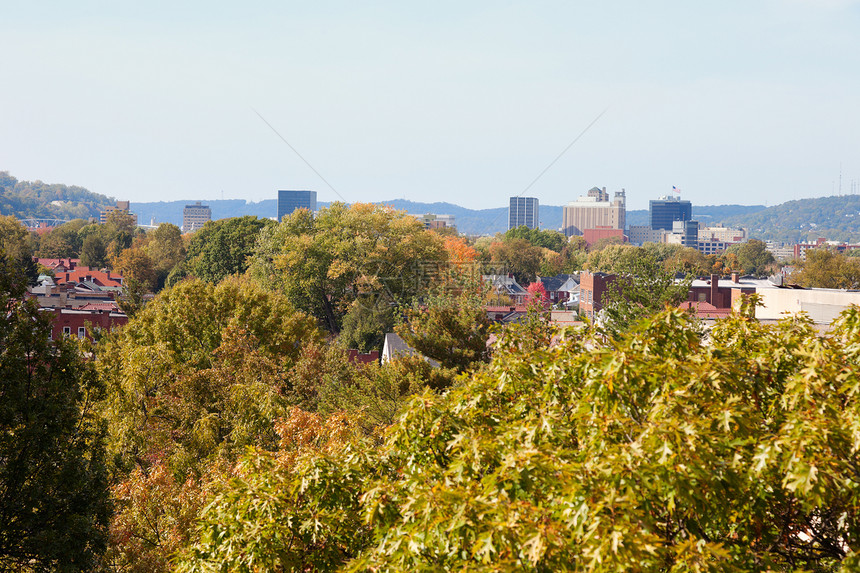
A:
{"x": 641, "y": 234}
{"x": 666, "y": 210}
{"x": 124, "y": 206}
{"x": 591, "y": 289}
{"x": 195, "y": 216}
{"x": 523, "y": 211}
{"x": 289, "y": 201}
{"x": 594, "y": 211}
{"x": 685, "y": 233}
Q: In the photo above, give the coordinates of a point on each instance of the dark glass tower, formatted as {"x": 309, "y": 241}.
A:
{"x": 666, "y": 211}
{"x": 289, "y": 201}
{"x": 523, "y": 211}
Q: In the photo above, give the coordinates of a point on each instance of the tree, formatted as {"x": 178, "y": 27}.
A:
{"x": 224, "y": 247}
{"x": 660, "y": 451}
{"x": 53, "y": 482}
{"x": 166, "y": 248}
{"x": 642, "y": 287}
{"x": 824, "y": 268}
{"x": 135, "y": 265}
{"x": 450, "y": 325}
{"x": 199, "y": 374}
{"x": 753, "y": 257}
{"x": 552, "y": 240}
{"x": 324, "y": 263}
{"x": 14, "y": 242}
{"x": 520, "y": 257}
{"x": 94, "y": 252}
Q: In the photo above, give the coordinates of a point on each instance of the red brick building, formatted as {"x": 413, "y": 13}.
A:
{"x": 81, "y": 323}
{"x": 591, "y": 289}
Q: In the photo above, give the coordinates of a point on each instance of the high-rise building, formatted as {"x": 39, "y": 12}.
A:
{"x": 124, "y": 206}
{"x": 195, "y": 216}
{"x": 594, "y": 211}
{"x": 289, "y": 201}
{"x": 523, "y": 211}
{"x": 684, "y": 233}
{"x": 667, "y": 210}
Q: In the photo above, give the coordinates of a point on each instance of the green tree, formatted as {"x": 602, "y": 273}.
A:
{"x": 94, "y": 252}
{"x": 753, "y": 257}
{"x": 196, "y": 376}
{"x": 324, "y": 263}
{"x": 53, "y": 482}
{"x": 15, "y": 243}
{"x": 450, "y": 325}
{"x": 657, "y": 452}
{"x": 166, "y": 248}
{"x": 552, "y": 240}
{"x": 824, "y": 268}
{"x": 520, "y": 257}
{"x": 224, "y": 247}
{"x": 642, "y": 287}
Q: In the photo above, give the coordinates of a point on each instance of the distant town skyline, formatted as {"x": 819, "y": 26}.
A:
{"x": 467, "y": 103}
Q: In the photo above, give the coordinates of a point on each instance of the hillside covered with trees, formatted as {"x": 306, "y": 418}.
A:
{"x": 23, "y": 199}
{"x": 836, "y": 218}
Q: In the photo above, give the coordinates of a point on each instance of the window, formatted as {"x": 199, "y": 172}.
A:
{"x": 82, "y": 331}
{"x": 703, "y": 297}
{"x": 67, "y": 330}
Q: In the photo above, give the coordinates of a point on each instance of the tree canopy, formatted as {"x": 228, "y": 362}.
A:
{"x": 663, "y": 450}
{"x": 326, "y": 262}
{"x": 53, "y": 479}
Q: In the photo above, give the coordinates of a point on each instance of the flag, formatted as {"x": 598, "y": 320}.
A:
{"x": 675, "y": 189}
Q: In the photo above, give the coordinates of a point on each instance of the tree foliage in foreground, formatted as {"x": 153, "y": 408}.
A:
{"x": 664, "y": 451}
{"x": 53, "y": 482}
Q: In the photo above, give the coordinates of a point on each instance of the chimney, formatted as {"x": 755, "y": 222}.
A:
{"x": 736, "y": 277}
{"x": 715, "y": 289}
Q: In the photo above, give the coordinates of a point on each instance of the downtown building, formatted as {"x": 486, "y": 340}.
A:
{"x": 666, "y": 210}
{"x": 595, "y": 211}
{"x": 195, "y": 216}
{"x": 289, "y": 201}
{"x": 523, "y": 211}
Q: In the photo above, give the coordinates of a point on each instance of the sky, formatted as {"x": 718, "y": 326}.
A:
{"x": 747, "y": 102}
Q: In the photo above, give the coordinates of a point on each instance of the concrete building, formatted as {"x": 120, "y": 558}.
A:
{"x": 822, "y": 305}
{"x": 666, "y": 210}
{"x": 685, "y": 233}
{"x": 721, "y": 233}
{"x": 289, "y": 201}
{"x": 120, "y": 206}
{"x": 640, "y": 234}
{"x": 594, "y": 211}
{"x": 523, "y": 211}
{"x": 434, "y": 221}
{"x": 195, "y": 216}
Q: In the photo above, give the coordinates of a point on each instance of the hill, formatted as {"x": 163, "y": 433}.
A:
{"x": 35, "y": 199}
{"x": 836, "y": 218}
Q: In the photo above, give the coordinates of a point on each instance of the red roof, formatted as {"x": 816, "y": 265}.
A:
{"x": 81, "y": 274}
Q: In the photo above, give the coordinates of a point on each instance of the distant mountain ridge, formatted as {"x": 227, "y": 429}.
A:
{"x": 836, "y": 217}
{"x": 468, "y": 221}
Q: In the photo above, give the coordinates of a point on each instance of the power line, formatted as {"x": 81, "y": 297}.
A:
{"x": 300, "y": 156}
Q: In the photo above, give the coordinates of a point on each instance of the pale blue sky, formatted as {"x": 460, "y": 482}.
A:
{"x": 733, "y": 102}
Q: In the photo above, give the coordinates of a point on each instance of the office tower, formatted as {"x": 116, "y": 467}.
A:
{"x": 195, "y": 216}
{"x": 124, "y": 206}
{"x": 523, "y": 211}
{"x": 595, "y": 211}
{"x": 289, "y": 201}
{"x": 667, "y": 210}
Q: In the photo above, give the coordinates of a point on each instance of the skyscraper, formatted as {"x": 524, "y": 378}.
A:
{"x": 667, "y": 210}
{"x": 523, "y": 211}
{"x": 195, "y": 216}
{"x": 289, "y": 201}
{"x": 595, "y": 211}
